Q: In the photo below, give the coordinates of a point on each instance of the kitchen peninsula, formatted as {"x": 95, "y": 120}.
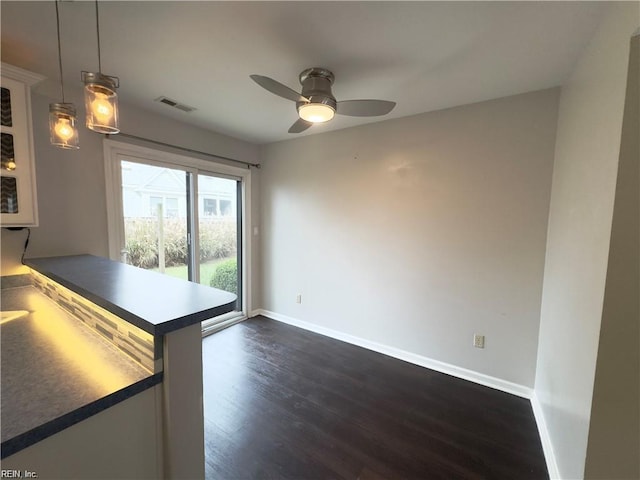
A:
{"x": 152, "y": 425}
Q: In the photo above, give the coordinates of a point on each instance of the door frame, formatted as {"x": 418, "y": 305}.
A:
{"x": 114, "y": 151}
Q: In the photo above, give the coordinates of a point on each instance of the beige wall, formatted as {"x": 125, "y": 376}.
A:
{"x": 613, "y": 450}
{"x": 417, "y": 232}
{"x": 584, "y": 183}
{"x": 71, "y": 198}
{"x": 71, "y": 184}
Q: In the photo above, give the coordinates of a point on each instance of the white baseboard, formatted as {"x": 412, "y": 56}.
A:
{"x": 459, "y": 372}
{"x": 547, "y": 447}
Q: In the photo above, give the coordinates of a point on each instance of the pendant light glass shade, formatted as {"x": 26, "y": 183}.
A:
{"x": 62, "y": 126}
{"x": 101, "y": 102}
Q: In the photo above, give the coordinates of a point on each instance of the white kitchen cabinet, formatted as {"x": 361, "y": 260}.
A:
{"x": 18, "y": 201}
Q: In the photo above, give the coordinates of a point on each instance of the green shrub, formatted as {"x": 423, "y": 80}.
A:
{"x": 225, "y": 277}
{"x": 217, "y": 240}
{"x": 142, "y": 242}
{"x": 175, "y": 242}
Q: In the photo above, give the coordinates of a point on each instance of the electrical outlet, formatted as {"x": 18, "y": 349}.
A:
{"x": 299, "y": 298}
{"x": 478, "y": 341}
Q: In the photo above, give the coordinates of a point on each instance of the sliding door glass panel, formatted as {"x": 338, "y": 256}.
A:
{"x": 164, "y": 206}
{"x": 218, "y": 213}
{"x": 154, "y": 204}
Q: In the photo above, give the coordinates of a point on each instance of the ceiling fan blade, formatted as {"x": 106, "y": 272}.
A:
{"x": 365, "y": 108}
{"x": 299, "y": 126}
{"x": 278, "y": 88}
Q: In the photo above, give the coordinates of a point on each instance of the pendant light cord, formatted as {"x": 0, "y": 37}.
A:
{"x": 26, "y": 241}
{"x": 98, "y": 35}
{"x": 59, "y": 52}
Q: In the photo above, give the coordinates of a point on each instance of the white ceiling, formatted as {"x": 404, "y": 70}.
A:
{"x": 423, "y": 55}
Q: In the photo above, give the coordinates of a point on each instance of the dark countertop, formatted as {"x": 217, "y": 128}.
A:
{"x": 56, "y": 371}
{"x": 156, "y": 303}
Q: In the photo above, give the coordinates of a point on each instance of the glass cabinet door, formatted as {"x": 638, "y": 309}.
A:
{"x": 9, "y": 187}
{"x": 17, "y": 170}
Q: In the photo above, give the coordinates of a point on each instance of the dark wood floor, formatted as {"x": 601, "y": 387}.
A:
{"x": 281, "y": 402}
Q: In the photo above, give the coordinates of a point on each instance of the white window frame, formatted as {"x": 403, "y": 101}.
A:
{"x": 115, "y": 151}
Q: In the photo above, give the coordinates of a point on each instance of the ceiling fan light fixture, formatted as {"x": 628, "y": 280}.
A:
{"x": 316, "y": 103}
{"x": 316, "y": 112}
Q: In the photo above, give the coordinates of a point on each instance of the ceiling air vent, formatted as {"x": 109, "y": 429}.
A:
{"x": 174, "y": 104}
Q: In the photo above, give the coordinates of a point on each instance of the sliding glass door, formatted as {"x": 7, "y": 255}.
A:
{"x": 183, "y": 222}
{"x": 155, "y": 213}
{"x": 219, "y": 224}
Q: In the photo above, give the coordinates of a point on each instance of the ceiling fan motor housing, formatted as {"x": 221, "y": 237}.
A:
{"x": 316, "y": 86}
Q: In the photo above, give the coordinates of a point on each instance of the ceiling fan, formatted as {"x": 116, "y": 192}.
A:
{"x": 316, "y": 103}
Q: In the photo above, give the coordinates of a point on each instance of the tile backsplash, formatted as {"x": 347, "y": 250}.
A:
{"x": 131, "y": 340}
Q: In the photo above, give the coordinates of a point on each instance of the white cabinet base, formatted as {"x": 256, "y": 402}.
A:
{"x": 120, "y": 442}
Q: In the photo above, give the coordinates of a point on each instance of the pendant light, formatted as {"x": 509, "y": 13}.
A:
{"x": 100, "y": 97}
{"x": 62, "y": 116}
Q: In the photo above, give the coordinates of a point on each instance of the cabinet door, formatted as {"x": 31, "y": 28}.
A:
{"x": 18, "y": 206}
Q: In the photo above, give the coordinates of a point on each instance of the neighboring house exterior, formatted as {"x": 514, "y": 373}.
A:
{"x": 146, "y": 188}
